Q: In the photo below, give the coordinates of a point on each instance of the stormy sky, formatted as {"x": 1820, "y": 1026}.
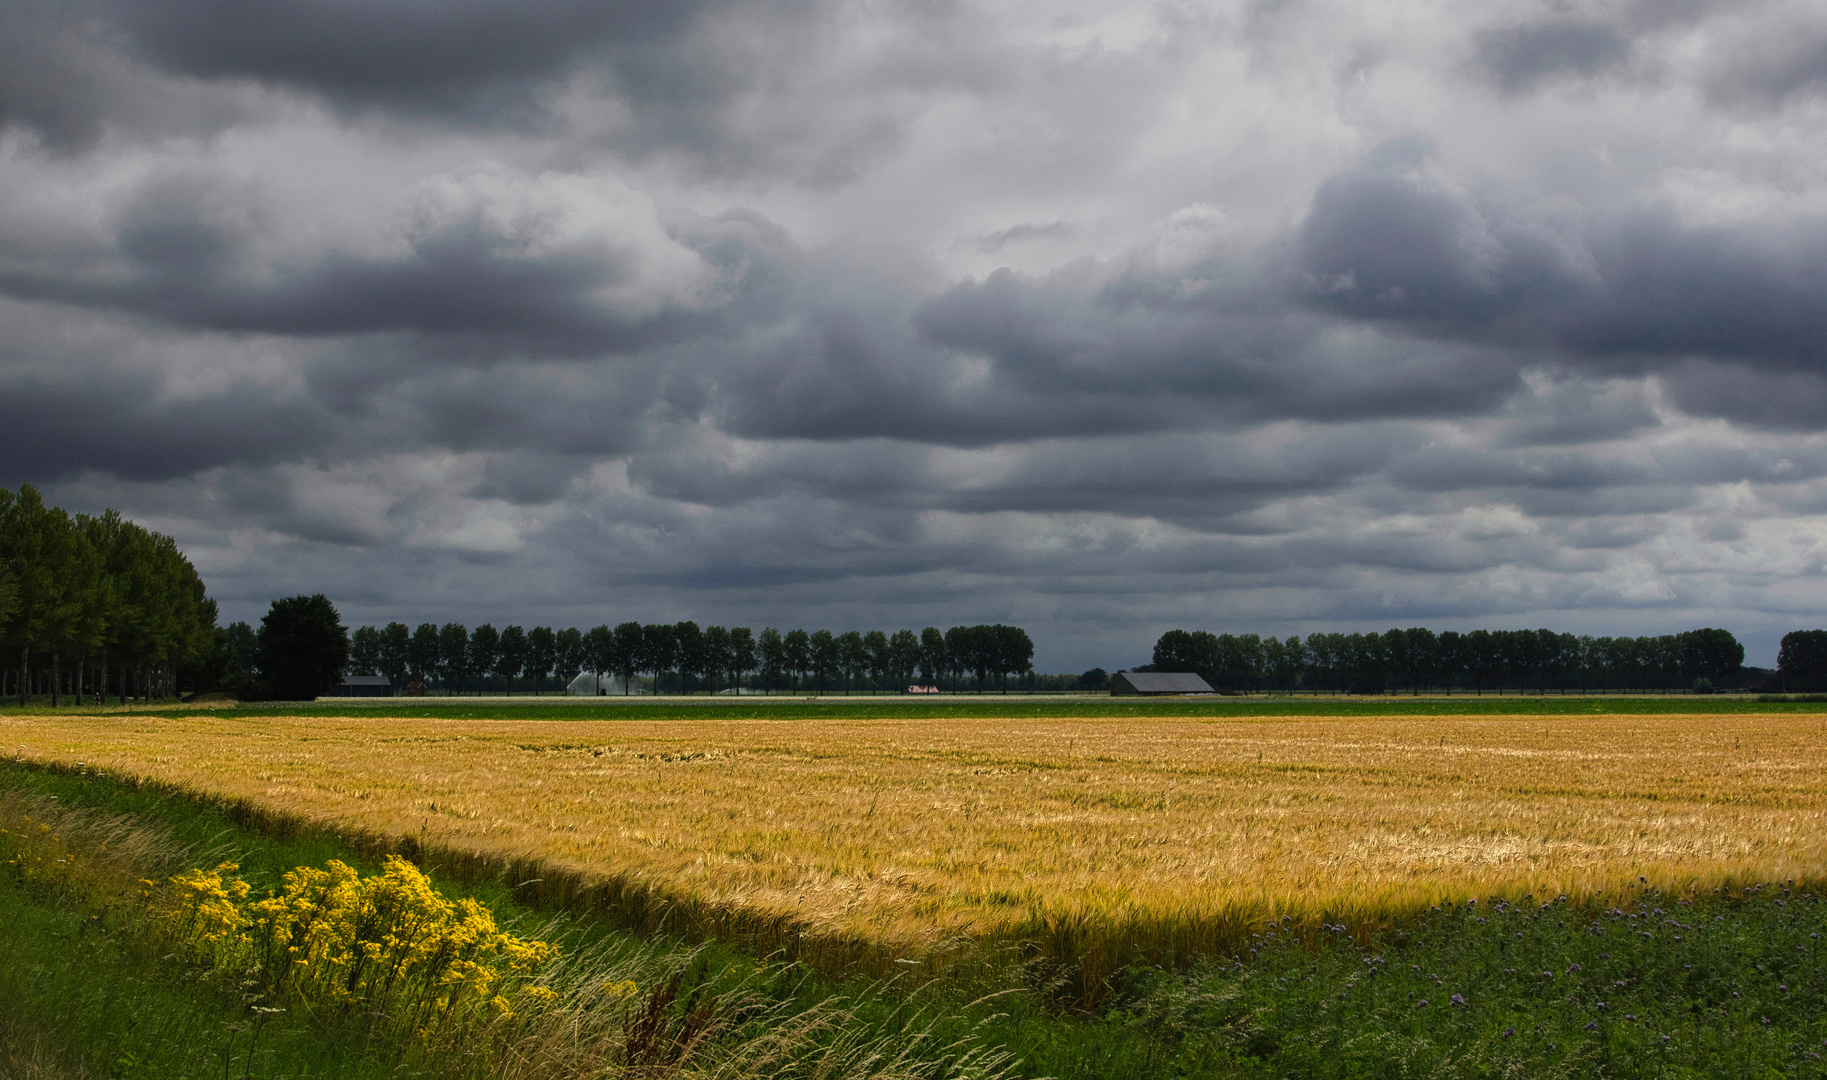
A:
{"x": 1093, "y": 317}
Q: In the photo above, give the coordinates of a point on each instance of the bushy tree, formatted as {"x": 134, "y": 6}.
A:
{"x": 303, "y": 647}
{"x": 1801, "y": 661}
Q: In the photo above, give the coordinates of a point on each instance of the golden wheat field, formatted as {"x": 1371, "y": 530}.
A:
{"x": 1102, "y": 834}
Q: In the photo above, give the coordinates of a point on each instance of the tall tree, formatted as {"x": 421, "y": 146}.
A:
{"x": 425, "y": 653}
{"x": 904, "y": 657}
{"x": 772, "y": 649}
{"x": 396, "y": 647}
{"x": 742, "y": 654}
{"x": 364, "y": 650}
{"x": 798, "y": 655}
{"x": 1014, "y": 652}
{"x": 630, "y": 651}
{"x": 878, "y": 658}
{"x": 569, "y": 644}
{"x": 599, "y": 653}
{"x": 716, "y": 654}
{"x": 687, "y": 652}
{"x": 542, "y": 655}
{"x": 657, "y": 650}
{"x": 453, "y": 654}
{"x": 825, "y": 656}
{"x": 512, "y": 656}
{"x": 852, "y": 657}
{"x": 934, "y": 661}
{"x": 484, "y": 654}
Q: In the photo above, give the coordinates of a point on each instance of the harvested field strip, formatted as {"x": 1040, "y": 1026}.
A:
{"x": 871, "y": 839}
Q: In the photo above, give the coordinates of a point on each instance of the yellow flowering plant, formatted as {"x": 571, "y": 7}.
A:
{"x": 388, "y": 945}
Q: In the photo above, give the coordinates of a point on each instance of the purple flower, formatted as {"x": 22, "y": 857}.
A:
{"x": 1420, "y": 1003}
{"x": 1592, "y": 1025}
{"x": 1507, "y": 1032}
{"x": 1457, "y": 999}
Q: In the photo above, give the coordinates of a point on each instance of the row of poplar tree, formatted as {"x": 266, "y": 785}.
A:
{"x": 1418, "y": 659}
{"x": 708, "y": 658}
{"x": 92, "y": 605}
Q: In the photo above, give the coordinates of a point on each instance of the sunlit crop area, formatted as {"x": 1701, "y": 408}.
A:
{"x": 1095, "y": 835}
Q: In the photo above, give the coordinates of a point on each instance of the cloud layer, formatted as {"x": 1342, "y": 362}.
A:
{"x": 1097, "y": 318}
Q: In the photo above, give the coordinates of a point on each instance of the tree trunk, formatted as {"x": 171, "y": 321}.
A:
{"x": 25, "y": 655}
{"x": 56, "y": 657}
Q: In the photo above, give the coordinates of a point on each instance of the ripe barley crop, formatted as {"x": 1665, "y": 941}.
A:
{"x": 1088, "y": 839}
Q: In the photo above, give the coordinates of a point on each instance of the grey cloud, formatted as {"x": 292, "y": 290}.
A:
{"x": 991, "y": 243}
{"x": 1577, "y": 412}
{"x": 528, "y": 479}
{"x": 1519, "y": 58}
{"x": 1776, "y": 63}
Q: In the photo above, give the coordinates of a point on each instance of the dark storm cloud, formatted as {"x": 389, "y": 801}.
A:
{"x": 1199, "y": 481}
{"x": 470, "y": 59}
{"x": 182, "y": 253}
{"x": 1793, "y": 400}
{"x": 49, "y": 431}
{"x": 1518, "y": 58}
{"x": 1633, "y": 292}
{"x": 67, "y": 83}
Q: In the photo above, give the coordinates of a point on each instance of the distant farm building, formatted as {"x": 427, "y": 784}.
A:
{"x": 362, "y": 686}
{"x": 1152, "y": 683}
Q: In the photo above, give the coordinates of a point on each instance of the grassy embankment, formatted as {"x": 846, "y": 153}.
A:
{"x": 104, "y": 972}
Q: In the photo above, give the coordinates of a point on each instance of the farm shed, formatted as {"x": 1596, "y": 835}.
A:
{"x": 1148, "y": 683}
{"x": 362, "y": 686}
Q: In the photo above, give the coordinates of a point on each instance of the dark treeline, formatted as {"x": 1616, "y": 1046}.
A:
{"x": 1418, "y": 660}
{"x": 677, "y": 657}
{"x": 97, "y": 605}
